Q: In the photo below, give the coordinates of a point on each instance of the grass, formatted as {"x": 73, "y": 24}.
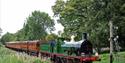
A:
{"x": 9, "y": 56}
{"x": 6, "y": 56}
{"x": 118, "y": 58}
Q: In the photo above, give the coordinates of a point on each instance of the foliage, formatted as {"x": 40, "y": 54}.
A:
{"x": 50, "y": 37}
{"x": 37, "y": 25}
{"x": 7, "y": 37}
{"x": 37, "y": 61}
{"x": 91, "y": 16}
{"x": 20, "y": 35}
{"x": 109, "y": 10}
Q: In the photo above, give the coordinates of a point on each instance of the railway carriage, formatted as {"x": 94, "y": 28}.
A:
{"x": 24, "y": 46}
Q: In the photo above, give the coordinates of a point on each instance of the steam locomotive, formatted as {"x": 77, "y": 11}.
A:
{"x": 58, "y": 52}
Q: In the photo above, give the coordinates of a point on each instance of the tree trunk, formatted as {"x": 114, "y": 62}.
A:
{"x": 111, "y": 41}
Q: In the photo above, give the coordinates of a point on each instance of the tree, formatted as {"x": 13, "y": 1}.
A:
{"x": 37, "y": 25}
{"x": 68, "y": 14}
{"x": 7, "y": 38}
{"x": 91, "y": 16}
{"x": 20, "y": 36}
{"x": 111, "y": 10}
{"x": 77, "y": 17}
{"x": 50, "y": 37}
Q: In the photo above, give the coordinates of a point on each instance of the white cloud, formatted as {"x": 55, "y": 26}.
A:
{"x": 15, "y": 12}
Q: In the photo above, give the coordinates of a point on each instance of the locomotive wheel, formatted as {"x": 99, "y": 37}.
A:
{"x": 58, "y": 60}
{"x": 87, "y": 62}
{"x": 53, "y": 59}
{"x": 64, "y": 60}
{"x": 76, "y": 61}
{"x": 70, "y": 61}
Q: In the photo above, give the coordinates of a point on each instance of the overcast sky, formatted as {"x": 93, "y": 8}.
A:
{"x": 13, "y": 13}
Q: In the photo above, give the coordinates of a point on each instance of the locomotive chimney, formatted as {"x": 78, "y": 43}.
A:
{"x": 84, "y": 36}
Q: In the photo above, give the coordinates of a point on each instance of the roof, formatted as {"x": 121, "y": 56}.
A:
{"x": 22, "y": 41}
